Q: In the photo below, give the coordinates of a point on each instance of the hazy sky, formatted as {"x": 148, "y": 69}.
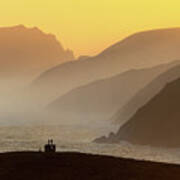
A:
{"x": 89, "y": 26}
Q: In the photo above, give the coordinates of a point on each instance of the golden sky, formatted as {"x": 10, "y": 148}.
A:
{"x": 89, "y": 26}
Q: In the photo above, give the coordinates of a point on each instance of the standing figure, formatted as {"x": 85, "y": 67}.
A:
{"x": 50, "y": 147}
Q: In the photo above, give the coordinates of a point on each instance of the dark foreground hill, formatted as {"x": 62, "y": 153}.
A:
{"x": 72, "y": 166}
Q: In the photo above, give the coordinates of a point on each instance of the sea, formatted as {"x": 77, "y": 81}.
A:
{"x": 70, "y": 138}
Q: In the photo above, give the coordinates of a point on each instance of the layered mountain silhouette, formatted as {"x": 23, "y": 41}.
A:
{"x": 140, "y": 50}
{"x": 157, "y": 122}
{"x": 25, "y": 51}
{"x": 145, "y": 94}
{"x": 100, "y": 100}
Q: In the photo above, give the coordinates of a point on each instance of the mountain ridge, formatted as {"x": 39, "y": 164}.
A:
{"x": 144, "y": 49}
{"x": 29, "y": 50}
{"x": 102, "y": 98}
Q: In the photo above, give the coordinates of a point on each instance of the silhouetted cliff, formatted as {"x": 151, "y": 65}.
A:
{"x": 156, "y": 123}
{"x": 145, "y": 94}
{"x": 25, "y": 51}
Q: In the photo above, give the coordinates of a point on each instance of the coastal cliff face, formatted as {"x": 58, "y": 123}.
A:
{"x": 146, "y": 94}
{"x": 156, "y": 123}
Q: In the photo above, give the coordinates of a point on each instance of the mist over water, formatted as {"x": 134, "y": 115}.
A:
{"x": 25, "y": 128}
{"x": 76, "y": 138}
{"x": 26, "y": 124}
